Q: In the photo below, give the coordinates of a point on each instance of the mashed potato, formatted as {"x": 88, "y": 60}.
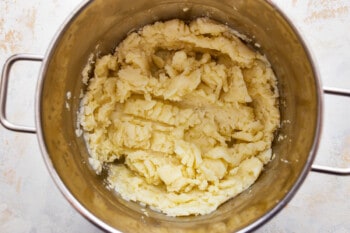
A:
{"x": 187, "y": 110}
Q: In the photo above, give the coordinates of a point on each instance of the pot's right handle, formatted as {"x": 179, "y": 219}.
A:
{"x": 3, "y": 90}
{"x": 31, "y": 57}
{"x": 327, "y": 169}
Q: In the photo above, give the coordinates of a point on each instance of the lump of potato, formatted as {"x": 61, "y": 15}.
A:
{"x": 189, "y": 109}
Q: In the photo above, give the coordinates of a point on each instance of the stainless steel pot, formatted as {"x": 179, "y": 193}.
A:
{"x": 105, "y": 23}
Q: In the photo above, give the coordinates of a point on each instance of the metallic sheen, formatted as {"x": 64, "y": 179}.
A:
{"x": 3, "y": 91}
{"x": 97, "y": 27}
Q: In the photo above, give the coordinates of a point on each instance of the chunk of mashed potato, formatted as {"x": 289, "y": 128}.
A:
{"x": 188, "y": 110}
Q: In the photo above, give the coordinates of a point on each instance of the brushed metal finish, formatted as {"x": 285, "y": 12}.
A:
{"x": 105, "y": 23}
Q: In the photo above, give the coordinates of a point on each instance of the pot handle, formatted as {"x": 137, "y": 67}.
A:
{"x": 3, "y": 90}
{"x": 38, "y": 58}
{"x": 327, "y": 169}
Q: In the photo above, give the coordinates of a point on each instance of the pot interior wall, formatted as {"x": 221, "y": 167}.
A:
{"x": 105, "y": 23}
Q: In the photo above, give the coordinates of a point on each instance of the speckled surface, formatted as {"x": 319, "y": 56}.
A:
{"x": 29, "y": 200}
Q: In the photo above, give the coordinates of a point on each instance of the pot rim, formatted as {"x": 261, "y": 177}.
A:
{"x": 104, "y": 226}
{"x": 318, "y": 131}
{"x": 48, "y": 162}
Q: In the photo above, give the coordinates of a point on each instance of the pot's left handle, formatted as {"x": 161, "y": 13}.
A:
{"x": 4, "y": 86}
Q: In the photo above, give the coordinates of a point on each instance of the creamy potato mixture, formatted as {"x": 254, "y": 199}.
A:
{"x": 182, "y": 115}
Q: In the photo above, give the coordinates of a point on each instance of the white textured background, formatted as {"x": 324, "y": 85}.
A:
{"x": 29, "y": 200}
